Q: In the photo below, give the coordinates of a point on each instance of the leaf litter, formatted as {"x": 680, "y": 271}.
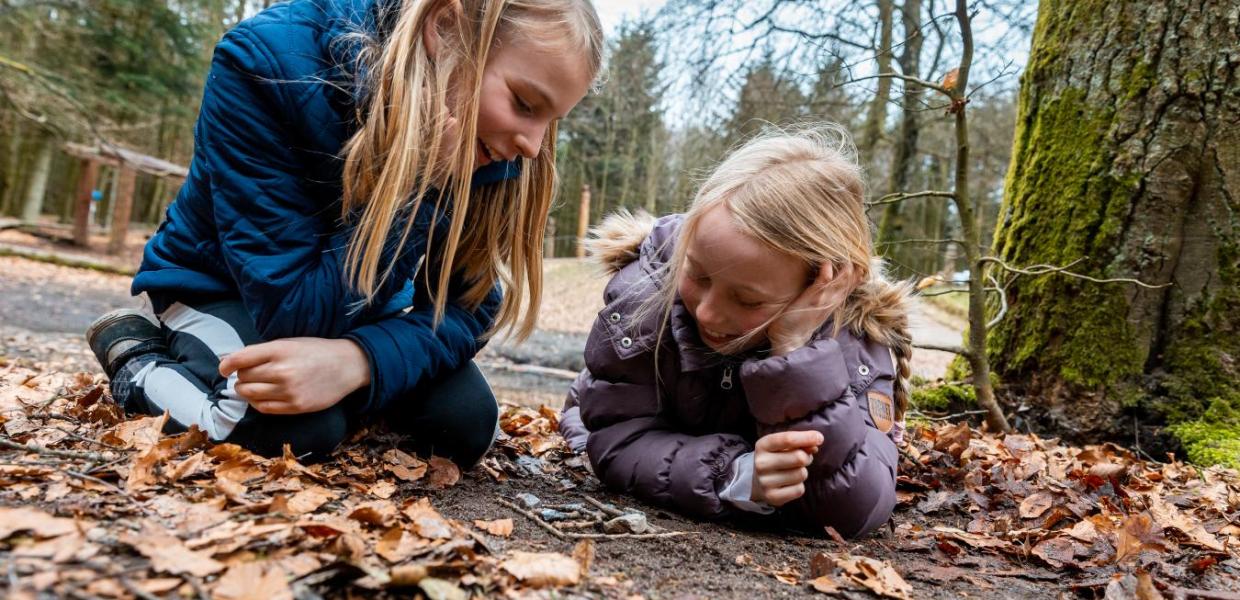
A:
{"x": 96, "y": 505}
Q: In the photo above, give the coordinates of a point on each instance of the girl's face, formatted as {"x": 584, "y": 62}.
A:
{"x": 733, "y": 284}
{"x": 525, "y": 87}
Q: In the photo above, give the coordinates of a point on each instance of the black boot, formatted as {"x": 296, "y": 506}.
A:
{"x": 121, "y": 335}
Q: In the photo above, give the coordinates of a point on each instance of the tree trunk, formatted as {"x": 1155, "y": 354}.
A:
{"x": 36, "y": 184}
{"x": 876, "y": 116}
{"x": 1127, "y": 158}
{"x": 891, "y": 226}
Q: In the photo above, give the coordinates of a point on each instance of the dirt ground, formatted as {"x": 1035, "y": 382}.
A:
{"x": 44, "y": 308}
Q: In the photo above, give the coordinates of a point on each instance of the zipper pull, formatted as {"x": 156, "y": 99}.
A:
{"x": 726, "y": 382}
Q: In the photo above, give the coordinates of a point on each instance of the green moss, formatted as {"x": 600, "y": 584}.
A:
{"x": 945, "y": 397}
{"x": 1214, "y": 438}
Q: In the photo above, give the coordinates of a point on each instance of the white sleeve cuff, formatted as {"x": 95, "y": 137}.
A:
{"x": 739, "y": 490}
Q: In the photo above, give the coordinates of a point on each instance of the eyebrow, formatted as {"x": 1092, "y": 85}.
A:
{"x": 538, "y": 91}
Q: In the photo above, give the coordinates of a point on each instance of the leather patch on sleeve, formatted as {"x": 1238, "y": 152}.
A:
{"x": 882, "y": 410}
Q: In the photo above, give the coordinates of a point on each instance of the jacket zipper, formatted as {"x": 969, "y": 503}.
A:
{"x": 726, "y": 381}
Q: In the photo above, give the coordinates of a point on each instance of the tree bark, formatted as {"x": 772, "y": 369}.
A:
{"x": 876, "y": 116}
{"x": 36, "y": 184}
{"x": 1127, "y": 157}
{"x": 891, "y": 225}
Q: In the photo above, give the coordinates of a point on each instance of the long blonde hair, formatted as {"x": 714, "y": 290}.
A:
{"x": 801, "y": 192}
{"x": 392, "y": 163}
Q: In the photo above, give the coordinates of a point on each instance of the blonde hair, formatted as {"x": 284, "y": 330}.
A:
{"x": 801, "y": 192}
{"x": 392, "y": 164}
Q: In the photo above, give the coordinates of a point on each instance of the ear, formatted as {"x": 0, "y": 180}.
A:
{"x": 443, "y": 17}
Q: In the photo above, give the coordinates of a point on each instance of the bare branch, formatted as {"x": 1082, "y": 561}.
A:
{"x": 922, "y": 241}
{"x": 1047, "y": 269}
{"x": 905, "y": 78}
{"x": 902, "y": 196}
{"x": 953, "y": 349}
{"x": 1003, "y": 304}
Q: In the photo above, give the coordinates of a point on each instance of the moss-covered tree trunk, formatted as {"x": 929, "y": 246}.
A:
{"x": 1127, "y": 157}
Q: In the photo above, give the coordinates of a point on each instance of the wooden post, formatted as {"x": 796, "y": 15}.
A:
{"x": 549, "y": 239}
{"x": 120, "y": 212}
{"x": 81, "y": 206}
{"x": 583, "y": 220}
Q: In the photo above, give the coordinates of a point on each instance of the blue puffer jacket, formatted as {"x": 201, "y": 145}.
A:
{"x": 259, "y": 215}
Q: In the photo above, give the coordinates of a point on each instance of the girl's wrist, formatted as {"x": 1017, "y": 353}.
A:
{"x": 355, "y": 364}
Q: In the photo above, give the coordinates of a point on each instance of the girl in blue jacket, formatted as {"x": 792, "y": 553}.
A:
{"x": 366, "y": 175}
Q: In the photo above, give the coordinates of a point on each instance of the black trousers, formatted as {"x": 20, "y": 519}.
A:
{"x": 454, "y": 415}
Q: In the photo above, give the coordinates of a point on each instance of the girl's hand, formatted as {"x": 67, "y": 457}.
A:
{"x": 808, "y": 312}
{"x": 297, "y": 375}
{"x": 779, "y": 465}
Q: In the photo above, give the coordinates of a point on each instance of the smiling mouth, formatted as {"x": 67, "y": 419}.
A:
{"x": 716, "y": 336}
{"x": 487, "y": 152}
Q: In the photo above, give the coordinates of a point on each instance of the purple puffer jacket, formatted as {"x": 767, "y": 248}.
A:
{"x": 671, "y": 437}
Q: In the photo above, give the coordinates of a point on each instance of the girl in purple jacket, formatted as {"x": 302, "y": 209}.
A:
{"x": 744, "y": 359}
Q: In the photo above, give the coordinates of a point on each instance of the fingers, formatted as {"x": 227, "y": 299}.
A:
{"x": 258, "y": 392}
{"x": 250, "y": 356}
{"x": 789, "y": 440}
{"x": 778, "y": 479}
{"x": 765, "y": 462}
{"x": 784, "y": 495}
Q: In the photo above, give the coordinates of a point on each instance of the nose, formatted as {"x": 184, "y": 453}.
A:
{"x": 707, "y": 313}
{"x": 529, "y": 142}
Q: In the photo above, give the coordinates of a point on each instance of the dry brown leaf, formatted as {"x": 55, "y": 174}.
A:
{"x": 35, "y": 521}
{"x": 500, "y": 527}
{"x": 380, "y": 513}
{"x": 1033, "y": 506}
{"x": 1137, "y": 533}
{"x": 168, "y": 554}
{"x": 427, "y": 522}
{"x": 444, "y": 473}
{"x": 824, "y": 584}
{"x": 1170, "y": 517}
{"x": 195, "y": 464}
{"x": 138, "y": 433}
{"x": 397, "y": 545}
{"x": 253, "y": 581}
{"x": 309, "y": 500}
{"x": 1057, "y": 551}
{"x": 583, "y": 553}
{"x": 543, "y": 569}
{"x": 383, "y": 489}
{"x": 876, "y": 575}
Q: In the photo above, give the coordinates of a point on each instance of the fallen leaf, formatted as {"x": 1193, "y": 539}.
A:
{"x": 876, "y": 575}
{"x": 824, "y": 584}
{"x": 1170, "y": 517}
{"x": 309, "y": 500}
{"x": 427, "y": 522}
{"x": 500, "y": 527}
{"x": 543, "y": 569}
{"x": 168, "y": 554}
{"x": 1033, "y": 506}
{"x": 33, "y": 520}
{"x": 397, "y": 545}
{"x": 380, "y": 513}
{"x": 444, "y": 473}
{"x": 383, "y": 489}
{"x": 583, "y": 553}
{"x": 441, "y": 589}
{"x": 251, "y": 581}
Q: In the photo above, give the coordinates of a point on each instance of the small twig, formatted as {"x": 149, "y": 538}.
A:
{"x": 86, "y": 439}
{"x": 923, "y": 241}
{"x": 5, "y": 442}
{"x": 902, "y": 196}
{"x": 905, "y": 78}
{"x": 531, "y": 516}
{"x": 1048, "y": 269}
{"x": 953, "y": 349}
{"x": 628, "y": 536}
{"x": 611, "y": 510}
{"x": 1181, "y": 592}
{"x": 137, "y": 591}
{"x": 949, "y": 417}
{"x": 1003, "y": 304}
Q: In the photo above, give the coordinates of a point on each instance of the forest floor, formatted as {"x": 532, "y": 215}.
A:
{"x": 96, "y": 505}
